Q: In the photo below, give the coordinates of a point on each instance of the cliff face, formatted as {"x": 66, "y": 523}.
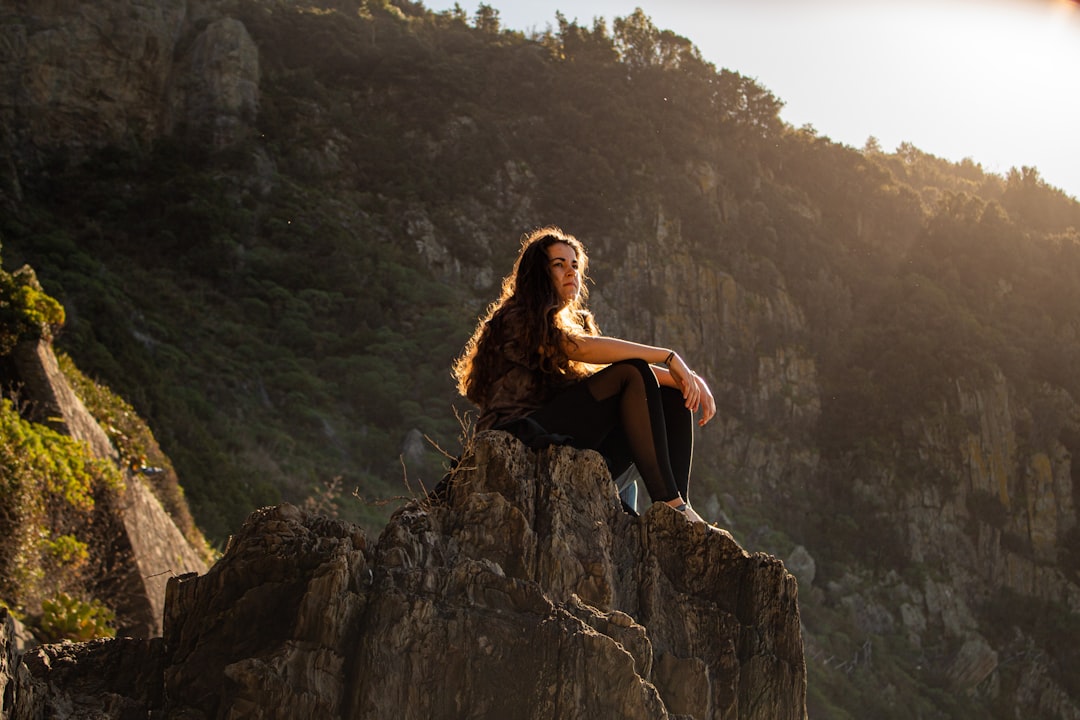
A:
{"x": 527, "y": 594}
{"x": 84, "y": 75}
{"x": 138, "y": 544}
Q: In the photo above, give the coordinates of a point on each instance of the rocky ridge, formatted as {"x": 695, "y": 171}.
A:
{"x": 85, "y": 75}
{"x": 145, "y": 547}
{"x": 528, "y": 593}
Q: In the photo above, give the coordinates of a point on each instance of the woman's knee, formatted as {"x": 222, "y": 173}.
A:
{"x": 643, "y": 368}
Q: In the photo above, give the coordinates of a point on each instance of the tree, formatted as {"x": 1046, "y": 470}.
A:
{"x": 637, "y": 40}
{"x": 576, "y": 43}
{"x": 487, "y": 19}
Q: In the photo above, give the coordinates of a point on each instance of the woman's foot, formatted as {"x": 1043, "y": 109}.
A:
{"x": 692, "y": 515}
{"x": 684, "y": 507}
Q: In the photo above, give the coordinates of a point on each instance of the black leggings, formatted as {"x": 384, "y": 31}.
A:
{"x": 624, "y": 413}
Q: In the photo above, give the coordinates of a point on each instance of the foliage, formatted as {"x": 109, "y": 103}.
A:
{"x": 68, "y": 550}
{"x": 60, "y": 466}
{"x": 137, "y": 447}
{"x": 48, "y": 485}
{"x": 26, "y": 311}
{"x": 68, "y": 618}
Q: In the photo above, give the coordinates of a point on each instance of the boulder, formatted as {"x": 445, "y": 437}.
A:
{"x": 528, "y": 593}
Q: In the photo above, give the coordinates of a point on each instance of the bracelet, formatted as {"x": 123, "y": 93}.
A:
{"x": 668, "y": 358}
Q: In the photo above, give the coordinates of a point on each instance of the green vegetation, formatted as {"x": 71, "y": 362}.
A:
{"x": 67, "y": 618}
{"x": 25, "y": 310}
{"x": 48, "y": 486}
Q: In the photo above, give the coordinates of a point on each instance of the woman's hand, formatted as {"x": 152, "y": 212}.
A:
{"x": 708, "y": 404}
{"x": 695, "y": 390}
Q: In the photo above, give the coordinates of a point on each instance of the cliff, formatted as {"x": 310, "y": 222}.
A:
{"x": 528, "y": 593}
{"x": 132, "y": 541}
{"x": 85, "y": 75}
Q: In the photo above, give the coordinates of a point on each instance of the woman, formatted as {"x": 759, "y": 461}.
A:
{"x": 533, "y": 366}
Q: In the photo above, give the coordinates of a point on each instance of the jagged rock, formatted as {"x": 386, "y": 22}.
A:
{"x": 220, "y": 85}
{"x": 147, "y": 547}
{"x": 158, "y": 551}
{"x": 1043, "y": 696}
{"x": 972, "y": 664}
{"x": 527, "y": 594}
{"x": 103, "y": 679}
{"x": 86, "y": 75}
{"x": 52, "y": 401}
{"x": 9, "y": 662}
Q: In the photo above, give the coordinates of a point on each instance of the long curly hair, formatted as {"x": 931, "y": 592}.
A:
{"x": 530, "y": 315}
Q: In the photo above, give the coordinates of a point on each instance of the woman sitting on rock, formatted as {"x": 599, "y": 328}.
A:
{"x": 538, "y": 367}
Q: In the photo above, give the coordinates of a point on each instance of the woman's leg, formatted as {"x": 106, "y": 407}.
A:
{"x": 679, "y": 424}
{"x": 624, "y": 396}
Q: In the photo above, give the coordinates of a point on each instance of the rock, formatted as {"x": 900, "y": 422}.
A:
{"x": 102, "y": 679}
{"x": 158, "y": 551}
{"x": 219, "y": 90}
{"x": 86, "y": 74}
{"x": 146, "y": 547}
{"x": 52, "y": 401}
{"x": 528, "y": 594}
{"x": 114, "y": 72}
{"x": 972, "y": 664}
{"x": 1039, "y": 692}
{"x": 9, "y": 662}
{"x": 914, "y": 622}
{"x": 800, "y": 563}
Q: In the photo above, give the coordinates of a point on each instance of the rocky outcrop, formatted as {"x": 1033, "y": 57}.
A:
{"x": 158, "y": 551}
{"x": 103, "y": 679}
{"x": 9, "y": 664}
{"x": 146, "y": 546}
{"x": 85, "y": 75}
{"x": 218, "y": 86}
{"x": 51, "y": 400}
{"x": 528, "y": 593}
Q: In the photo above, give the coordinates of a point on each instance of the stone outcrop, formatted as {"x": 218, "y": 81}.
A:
{"x": 51, "y": 399}
{"x": 158, "y": 551}
{"x": 146, "y": 546}
{"x": 9, "y": 663}
{"x": 527, "y": 593}
{"x": 103, "y": 679}
{"x": 84, "y": 75}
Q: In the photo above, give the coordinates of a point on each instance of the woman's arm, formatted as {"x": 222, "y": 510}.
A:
{"x": 706, "y": 401}
{"x": 599, "y": 350}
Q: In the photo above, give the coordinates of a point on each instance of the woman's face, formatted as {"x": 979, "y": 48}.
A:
{"x": 563, "y": 266}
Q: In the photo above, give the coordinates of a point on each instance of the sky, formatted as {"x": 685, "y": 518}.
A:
{"x": 996, "y": 81}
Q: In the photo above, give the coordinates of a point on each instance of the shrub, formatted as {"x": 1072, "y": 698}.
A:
{"x": 68, "y": 549}
{"x": 25, "y": 309}
{"x": 68, "y": 618}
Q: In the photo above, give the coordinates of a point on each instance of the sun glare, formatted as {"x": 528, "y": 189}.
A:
{"x": 991, "y": 80}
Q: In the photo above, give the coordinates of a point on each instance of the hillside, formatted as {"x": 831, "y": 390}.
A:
{"x": 273, "y": 232}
